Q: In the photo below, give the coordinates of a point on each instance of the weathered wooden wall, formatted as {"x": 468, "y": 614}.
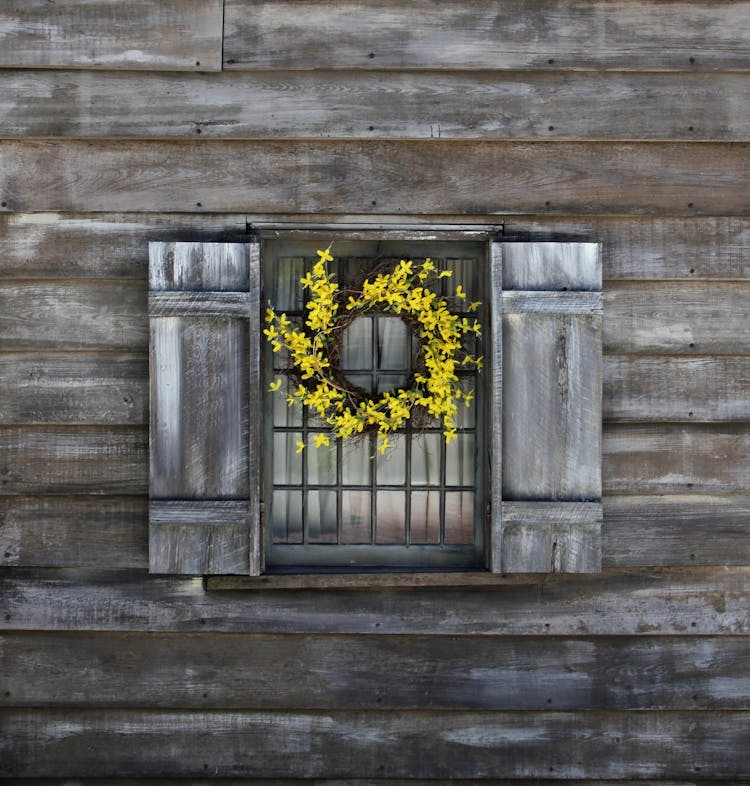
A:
{"x": 623, "y": 121}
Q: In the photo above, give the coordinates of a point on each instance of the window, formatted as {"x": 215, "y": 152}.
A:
{"x": 527, "y": 466}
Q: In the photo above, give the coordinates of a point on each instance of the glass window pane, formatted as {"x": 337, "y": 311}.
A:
{"x": 391, "y": 517}
{"x": 459, "y": 461}
{"x": 287, "y": 516}
{"x": 391, "y": 465}
{"x": 394, "y": 344}
{"x": 287, "y": 290}
{"x": 283, "y": 414}
{"x": 356, "y": 346}
{"x": 386, "y": 382}
{"x": 459, "y": 517}
{"x": 425, "y": 517}
{"x": 321, "y": 517}
{"x": 355, "y": 517}
{"x": 287, "y": 463}
{"x": 356, "y": 464}
{"x": 321, "y": 463}
{"x": 425, "y": 459}
{"x": 466, "y": 416}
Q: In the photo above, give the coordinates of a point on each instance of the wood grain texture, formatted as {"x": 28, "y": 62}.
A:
{"x": 676, "y": 389}
{"x": 499, "y": 178}
{"x": 271, "y": 672}
{"x": 676, "y": 530}
{"x": 87, "y": 387}
{"x": 354, "y": 744}
{"x": 677, "y": 317}
{"x": 89, "y": 531}
{"x": 75, "y": 314}
{"x": 115, "y": 245}
{"x": 551, "y": 267}
{"x": 674, "y": 459}
{"x": 368, "y": 782}
{"x": 383, "y": 105}
{"x": 656, "y": 601}
{"x": 148, "y": 34}
{"x": 56, "y": 245}
{"x": 387, "y": 34}
{"x": 73, "y": 460}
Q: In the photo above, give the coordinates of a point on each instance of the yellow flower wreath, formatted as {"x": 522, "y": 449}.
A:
{"x": 314, "y": 348}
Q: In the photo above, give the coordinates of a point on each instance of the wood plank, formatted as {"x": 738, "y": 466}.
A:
{"x": 271, "y": 672}
{"x": 43, "y": 315}
{"x": 676, "y": 459}
{"x": 655, "y": 601}
{"x": 390, "y": 744}
{"x": 593, "y": 34}
{"x": 351, "y": 176}
{"x": 73, "y": 460}
{"x": 200, "y": 304}
{"x": 368, "y": 782}
{"x": 74, "y": 531}
{"x": 687, "y": 317}
{"x": 59, "y": 245}
{"x": 383, "y": 105}
{"x": 676, "y": 530}
{"x": 676, "y": 389}
{"x": 56, "y": 245}
{"x": 152, "y": 34}
{"x": 84, "y": 387}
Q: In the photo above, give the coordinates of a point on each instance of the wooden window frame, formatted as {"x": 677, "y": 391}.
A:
{"x": 544, "y": 507}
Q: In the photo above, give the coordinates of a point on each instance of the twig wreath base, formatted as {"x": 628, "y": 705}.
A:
{"x": 433, "y": 390}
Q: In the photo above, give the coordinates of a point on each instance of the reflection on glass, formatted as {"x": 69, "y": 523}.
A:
{"x": 394, "y": 344}
{"x": 321, "y": 463}
{"x": 425, "y": 517}
{"x": 287, "y": 291}
{"x": 287, "y": 516}
{"x": 466, "y": 416}
{"x": 386, "y": 382}
{"x": 425, "y": 459}
{"x": 355, "y": 517}
{"x": 459, "y": 461}
{"x": 355, "y": 462}
{"x": 391, "y": 465}
{"x": 356, "y": 346}
{"x": 283, "y": 414}
{"x": 391, "y": 517}
{"x": 287, "y": 463}
{"x": 459, "y": 516}
{"x": 321, "y": 517}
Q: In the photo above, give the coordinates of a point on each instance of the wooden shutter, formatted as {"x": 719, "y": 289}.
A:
{"x": 204, "y": 308}
{"x": 547, "y": 368}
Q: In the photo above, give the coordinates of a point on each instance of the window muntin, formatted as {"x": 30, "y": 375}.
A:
{"x": 418, "y": 506}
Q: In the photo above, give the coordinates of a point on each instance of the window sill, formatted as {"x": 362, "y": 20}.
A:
{"x": 350, "y": 581}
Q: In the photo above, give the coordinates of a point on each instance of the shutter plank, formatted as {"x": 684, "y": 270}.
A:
{"x": 204, "y": 367}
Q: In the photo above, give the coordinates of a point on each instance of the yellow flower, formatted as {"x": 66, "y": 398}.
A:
{"x": 460, "y": 292}
{"x": 322, "y": 439}
{"x": 325, "y": 256}
{"x": 383, "y": 444}
{"x": 274, "y": 386}
{"x": 300, "y": 446}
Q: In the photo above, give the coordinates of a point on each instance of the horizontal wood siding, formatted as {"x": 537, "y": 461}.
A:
{"x": 622, "y": 122}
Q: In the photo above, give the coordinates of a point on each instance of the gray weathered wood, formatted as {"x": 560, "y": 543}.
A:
{"x": 677, "y": 530}
{"x": 200, "y": 304}
{"x": 514, "y": 303}
{"x": 148, "y": 34}
{"x": 52, "y": 245}
{"x": 682, "y": 389}
{"x": 365, "y": 105}
{"x": 346, "y": 744}
{"x": 488, "y": 177}
{"x": 204, "y": 389}
{"x": 495, "y": 524}
{"x": 676, "y": 459}
{"x": 656, "y": 601}
{"x": 86, "y": 388}
{"x": 73, "y": 460}
{"x": 552, "y": 537}
{"x": 84, "y": 531}
{"x": 617, "y": 35}
{"x": 548, "y": 266}
{"x": 329, "y": 672}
